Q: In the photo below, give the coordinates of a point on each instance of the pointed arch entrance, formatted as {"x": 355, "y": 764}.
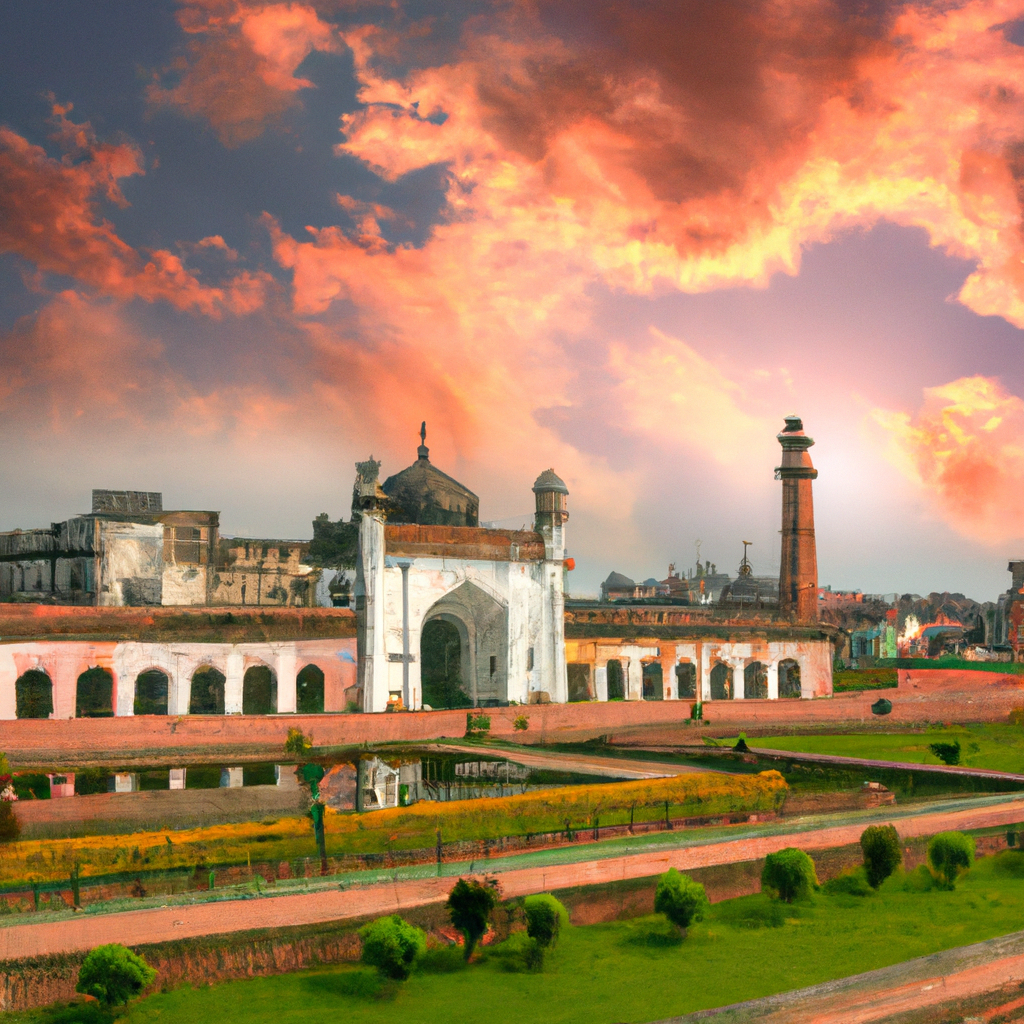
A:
{"x": 482, "y": 624}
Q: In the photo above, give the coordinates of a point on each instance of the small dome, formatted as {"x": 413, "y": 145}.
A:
{"x": 549, "y": 480}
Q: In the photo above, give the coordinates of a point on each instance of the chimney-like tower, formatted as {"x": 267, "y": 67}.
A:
{"x": 798, "y": 572}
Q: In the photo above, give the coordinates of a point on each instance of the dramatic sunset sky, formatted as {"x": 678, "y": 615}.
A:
{"x": 243, "y": 244}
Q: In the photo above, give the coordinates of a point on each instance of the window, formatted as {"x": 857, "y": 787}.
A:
{"x": 494, "y": 664}
{"x": 529, "y": 660}
{"x": 185, "y": 545}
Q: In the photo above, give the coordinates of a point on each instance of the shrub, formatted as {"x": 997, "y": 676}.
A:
{"x": 849, "y": 883}
{"x": 947, "y": 753}
{"x": 654, "y": 931}
{"x": 950, "y": 854}
{"x": 477, "y": 725}
{"x": 441, "y": 960}
{"x": 520, "y": 953}
{"x": 469, "y": 905}
{"x": 883, "y": 853}
{"x": 789, "y": 874}
{"x": 520, "y": 723}
{"x": 10, "y": 827}
{"x": 545, "y": 918}
{"x": 680, "y": 899}
{"x": 113, "y": 974}
{"x": 392, "y": 946}
{"x": 751, "y": 912}
{"x": 297, "y": 742}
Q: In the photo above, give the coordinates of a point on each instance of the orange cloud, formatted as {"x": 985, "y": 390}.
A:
{"x": 696, "y": 146}
{"x": 238, "y": 69}
{"x": 48, "y": 215}
{"x": 964, "y": 448}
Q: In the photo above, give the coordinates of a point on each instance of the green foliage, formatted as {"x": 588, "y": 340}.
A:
{"x": 5, "y": 765}
{"x": 1009, "y": 862}
{"x": 10, "y": 827}
{"x": 392, "y": 946}
{"x": 655, "y": 932}
{"x": 113, "y": 974}
{"x": 950, "y": 854}
{"x": 844, "y": 680}
{"x": 78, "y": 1013}
{"x": 751, "y": 912}
{"x": 788, "y": 875}
{"x": 919, "y": 880}
{"x": 334, "y": 545}
{"x": 680, "y": 899}
{"x": 298, "y": 742}
{"x": 883, "y": 852}
{"x": 849, "y": 883}
{"x": 520, "y": 953}
{"x": 477, "y": 725}
{"x": 520, "y": 723}
{"x": 469, "y": 905}
{"x": 442, "y": 960}
{"x": 545, "y": 918}
{"x": 947, "y": 753}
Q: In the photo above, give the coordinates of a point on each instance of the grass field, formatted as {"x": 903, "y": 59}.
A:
{"x": 996, "y": 746}
{"x": 607, "y": 973}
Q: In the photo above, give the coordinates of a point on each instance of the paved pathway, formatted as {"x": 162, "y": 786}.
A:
{"x": 166, "y": 923}
{"x": 586, "y": 764}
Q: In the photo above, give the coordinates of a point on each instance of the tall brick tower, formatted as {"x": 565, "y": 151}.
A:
{"x": 798, "y": 572}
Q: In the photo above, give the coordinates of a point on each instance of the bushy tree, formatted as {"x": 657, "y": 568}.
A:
{"x": 392, "y": 946}
{"x": 113, "y": 974}
{"x": 680, "y": 899}
{"x": 545, "y": 918}
{"x": 948, "y": 753}
{"x": 788, "y": 874}
{"x": 883, "y": 853}
{"x": 949, "y": 854}
{"x": 470, "y": 904}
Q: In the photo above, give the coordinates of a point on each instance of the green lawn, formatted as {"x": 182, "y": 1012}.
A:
{"x": 600, "y": 973}
{"x": 996, "y": 746}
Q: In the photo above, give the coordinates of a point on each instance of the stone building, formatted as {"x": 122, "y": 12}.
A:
{"x": 128, "y": 551}
{"x": 477, "y": 615}
{"x": 501, "y": 591}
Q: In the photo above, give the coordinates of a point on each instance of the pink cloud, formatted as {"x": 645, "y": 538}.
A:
{"x": 963, "y": 447}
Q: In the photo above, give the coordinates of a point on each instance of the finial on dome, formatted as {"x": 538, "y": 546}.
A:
{"x": 423, "y": 451}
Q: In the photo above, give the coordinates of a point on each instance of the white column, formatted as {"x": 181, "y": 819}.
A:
{"x": 773, "y": 681}
{"x": 737, "y": 681}
{"x": 635, "y": 680}
{"x": 601, "y": 681}
{"x": 370, "y": 580}
{"x": 671, "y": 688}
{"x": 233, "y": 676}
{"x": 8, "y": 677}
{"x": 286, "y": 684}
{"x": 124, "y": 687}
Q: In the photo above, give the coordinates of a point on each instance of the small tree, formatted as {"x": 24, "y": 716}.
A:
{"x": 392, "y": 946}
{"x": 950, "y": 854}
{"x": 545, "y": 918}
{"x": 883, "y": 853}
{"x": 113, "y": 974}
{"x": 680, "y": 899}
{"x": 470, "y": 904}
{"x": 297, "y": 742}
{"x": 789, "y": 874}
{"x": 947, "y": 753}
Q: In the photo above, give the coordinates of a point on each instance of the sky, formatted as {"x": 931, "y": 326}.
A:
{"x": 245, "y": 244}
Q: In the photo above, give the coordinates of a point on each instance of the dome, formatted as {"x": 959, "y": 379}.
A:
{"x": 424, "y": 494}
{"x": 549, "y": 480}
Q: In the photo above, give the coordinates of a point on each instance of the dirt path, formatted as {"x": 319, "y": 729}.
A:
{"x": 588, "y": 764}
{"x": 166, "y": 923}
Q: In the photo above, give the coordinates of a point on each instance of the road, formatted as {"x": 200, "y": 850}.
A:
{"x": 166, "y": 923}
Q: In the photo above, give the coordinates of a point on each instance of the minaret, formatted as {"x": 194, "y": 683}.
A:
{"x": 798, "y": 571}
{"x": 549, "y": 521}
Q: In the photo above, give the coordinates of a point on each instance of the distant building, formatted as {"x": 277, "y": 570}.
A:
{"x": 129, "y": 551}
